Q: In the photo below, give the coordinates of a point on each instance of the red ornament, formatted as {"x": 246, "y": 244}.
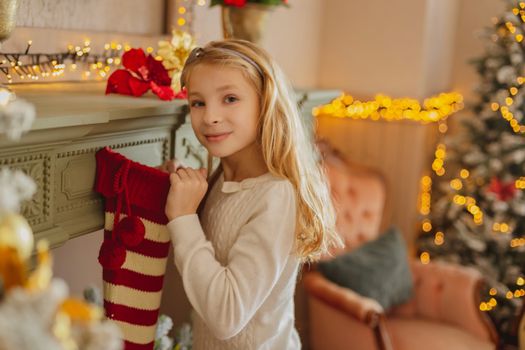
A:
{"x": 130, "y": 231}
{"x": 141, "y": 73}
{"x": 504, "y": 191}
{"x": 111, "y": 255}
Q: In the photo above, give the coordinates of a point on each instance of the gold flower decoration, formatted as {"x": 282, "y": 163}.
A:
{"x": 174, "y": 53}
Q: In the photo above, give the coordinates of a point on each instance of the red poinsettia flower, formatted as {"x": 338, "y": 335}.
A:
{"x": 183, "y": 94}
{"x": 237, "y": 3}
{"x": 141, "y": 73}
{"x": 504, "y": 191}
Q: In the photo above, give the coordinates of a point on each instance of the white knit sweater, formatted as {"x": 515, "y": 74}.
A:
{"x": 238, "y": 268}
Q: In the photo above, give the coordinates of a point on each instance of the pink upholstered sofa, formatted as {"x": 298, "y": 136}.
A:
{"x": 443, "y": 313}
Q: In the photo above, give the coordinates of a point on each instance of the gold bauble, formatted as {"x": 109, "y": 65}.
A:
{"x": 13, "y": 271}
{"x": 16, "y": 233}
{"x": 8, "y": 10}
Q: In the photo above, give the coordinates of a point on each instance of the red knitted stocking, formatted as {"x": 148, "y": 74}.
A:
{"x": 136, "y": 244}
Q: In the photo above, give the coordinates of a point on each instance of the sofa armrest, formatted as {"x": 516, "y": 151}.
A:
{"x": 450, "y": 293}
{"x": 362, "y": 308}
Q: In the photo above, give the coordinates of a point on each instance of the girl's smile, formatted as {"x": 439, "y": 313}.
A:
{"x": 217, "y": 137}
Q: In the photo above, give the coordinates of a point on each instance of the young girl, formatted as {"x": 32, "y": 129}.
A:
{"x": 266, "y": 208}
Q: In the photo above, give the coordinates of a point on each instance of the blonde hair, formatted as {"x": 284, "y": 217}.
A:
{"x": 287, "y": 149}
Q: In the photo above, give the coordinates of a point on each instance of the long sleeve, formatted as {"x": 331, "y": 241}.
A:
{"x": 227, "y": 297}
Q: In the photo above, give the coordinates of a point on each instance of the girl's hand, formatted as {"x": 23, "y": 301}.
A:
{"x": 171, "y": 165}
{"x": 188, "y": 187}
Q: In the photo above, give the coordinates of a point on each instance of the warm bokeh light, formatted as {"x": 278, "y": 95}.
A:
{"x": 383, "y": 107}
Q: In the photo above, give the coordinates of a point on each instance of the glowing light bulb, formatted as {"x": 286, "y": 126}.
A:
{"x": 425, "y": 258}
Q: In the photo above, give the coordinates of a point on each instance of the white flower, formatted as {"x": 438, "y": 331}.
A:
{"x": 26, "y": 318}
{"x": 182, "y": 40}
{"x": 174, "y": 54}
{"x": 164, "y": 343}
{"x": 103, "y": 336}
{"x": 184, "y": 337}
{"x": 15, "y": 186}
{"x": 16, "y": 117}
{"x": 164, "y": 325}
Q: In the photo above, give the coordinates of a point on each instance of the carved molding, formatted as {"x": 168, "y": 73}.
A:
{"x": 165, "y": 150}
{"x": 115, "y": 146}
{"x": 194, "y": 152}
{"x": 79, "y": 204}
{"x": 38, "y": 167}
{"x": 188, "y": 148}
{"x": 74, "y": 174}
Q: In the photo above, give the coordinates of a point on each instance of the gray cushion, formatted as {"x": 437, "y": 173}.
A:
{"x": 378, "y": 269}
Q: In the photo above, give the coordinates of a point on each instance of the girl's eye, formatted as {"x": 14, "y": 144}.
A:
{"x": 196, "y": 104}
{"x": 231, "y": 99}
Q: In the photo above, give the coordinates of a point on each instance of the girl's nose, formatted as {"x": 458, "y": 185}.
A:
{"x": 211, "y": 117}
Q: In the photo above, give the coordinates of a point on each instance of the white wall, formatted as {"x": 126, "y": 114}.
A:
{"x": 401, "y": 48}
{"x": 76, "y": 262}
{"x": 293, "y": 37}
{"x": 474, "y": 16}
{"x": 125, "y": 16}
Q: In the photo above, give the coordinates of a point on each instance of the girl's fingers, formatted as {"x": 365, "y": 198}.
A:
{"x": 192, "y": 173}
{"x": 172, "y": 166}
{"x": 183, "y": 173}
{"x": 174, "y": 177}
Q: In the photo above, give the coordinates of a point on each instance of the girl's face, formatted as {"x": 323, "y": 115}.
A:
{"x": 224, "y": 108}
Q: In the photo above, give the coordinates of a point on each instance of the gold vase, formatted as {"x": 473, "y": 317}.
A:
{"x": 247, "y": 22}
{"x": 8, "y": 10}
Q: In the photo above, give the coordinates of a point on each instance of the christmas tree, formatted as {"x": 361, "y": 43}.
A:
{"x": 477, "y": 213}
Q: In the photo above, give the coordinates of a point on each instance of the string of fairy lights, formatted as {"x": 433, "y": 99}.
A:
{"x": 27, "y": 66}
{"x": 434, "y": 110}
{"x": 477, "y": 216}
{"x": 36, "y": 66}
{"x": 505, "y": 30}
